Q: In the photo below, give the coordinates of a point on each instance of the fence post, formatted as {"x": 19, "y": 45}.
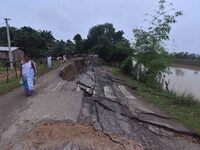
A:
{"x": 15, "y": 69}
{"x": 7, "y": 75}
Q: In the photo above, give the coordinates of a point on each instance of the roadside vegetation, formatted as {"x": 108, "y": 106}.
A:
{"x": 184, "y": 108}
{"x": 14, "y": 82}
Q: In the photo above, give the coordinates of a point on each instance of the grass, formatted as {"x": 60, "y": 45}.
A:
{"x": 7, "y": 87}
{"x": 14, "y": 82}
{"x": 184, "y": 108}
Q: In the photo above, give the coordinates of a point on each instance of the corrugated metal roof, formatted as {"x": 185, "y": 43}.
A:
{"x": 6, "y": 48}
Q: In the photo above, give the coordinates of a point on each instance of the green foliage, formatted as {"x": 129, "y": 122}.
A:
{"x": 182, "y": 99}
{"x": 78, "y": 43}
{"x": 186, "y": 55}
{"x": 103, "y": 48}
{"x": 109, "y": 44}
{"x": 179, "y": 106}
{"x": 102, "y": 40}
{"x": 59, "y": 48}
{"x": 35, "y": 43}
{"x": 127, "y": 67}
{"x": 70, "y": 47}
{"x": 3, "y": 35}
{"x": 149, "y": 50}
{"x": 120, "y": 52}
{"x": 29, "y": 40}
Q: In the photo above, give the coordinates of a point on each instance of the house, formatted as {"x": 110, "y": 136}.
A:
{"x": 16, "y": 53}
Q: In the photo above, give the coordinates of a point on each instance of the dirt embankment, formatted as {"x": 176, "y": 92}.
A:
{"x": 71, "y": 71}
{"x": 70, "y": 135}
{"x": 188, "y": 64}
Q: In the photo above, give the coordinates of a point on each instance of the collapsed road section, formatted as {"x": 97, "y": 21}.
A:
{"x": 113, "y": 108}
{"x": 90, "y": 109}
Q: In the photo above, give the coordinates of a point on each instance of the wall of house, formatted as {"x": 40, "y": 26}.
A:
{"x": 3, "y": 55}
{"x": 17, "y": 55}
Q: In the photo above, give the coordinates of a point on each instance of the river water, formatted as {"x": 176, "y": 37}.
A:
{"x": 185, "y": 80}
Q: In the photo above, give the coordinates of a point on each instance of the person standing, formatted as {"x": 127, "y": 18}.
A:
{"x": 28, "y": 73}
{"x": 49, "y": 62}
{"x": 64, "y": 58}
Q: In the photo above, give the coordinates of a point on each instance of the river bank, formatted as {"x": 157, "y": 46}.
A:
{"x": 188, "y": 64}
{"x": 179, "y": 107}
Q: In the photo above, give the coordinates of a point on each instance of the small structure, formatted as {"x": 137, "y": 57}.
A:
{"x": 16, "y": 53}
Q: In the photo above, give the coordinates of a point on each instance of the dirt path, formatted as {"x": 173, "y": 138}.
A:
{"x": 14, "y": 102}
{"x": 93, "y": 112}
{"x": 49, "y": 102}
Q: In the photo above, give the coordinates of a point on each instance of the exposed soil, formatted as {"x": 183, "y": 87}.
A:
{"x": 71, "y": 71}
{"x": 68, "y": 135}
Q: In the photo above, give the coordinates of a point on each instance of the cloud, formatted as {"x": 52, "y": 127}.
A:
{"x": 65, "y": 18}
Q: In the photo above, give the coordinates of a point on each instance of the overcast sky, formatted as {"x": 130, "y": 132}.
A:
{"x": 65, "y": 18}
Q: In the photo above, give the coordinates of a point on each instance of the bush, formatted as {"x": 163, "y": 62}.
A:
{"x": 127, "y": 67}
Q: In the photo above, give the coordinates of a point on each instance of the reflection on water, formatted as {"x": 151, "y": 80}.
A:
{"x": 179, "y": 72}
{"x": 185, "y": 80}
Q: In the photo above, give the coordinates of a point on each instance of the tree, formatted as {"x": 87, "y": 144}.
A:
{"x": 185, "y": 55}
{"x": 120, "y": 51}
{"x": 107, "y": 30}
{"x": 59, "y": 48}
{"x": 78, "y": 43}
{"x": 30, "y": 41}
{"x": 47, "y": 39}
{"x": 70, "y": 47}
{"x": 102, "y": 40}
{"x": 3, "y": 36}
{"x": 149, "y": 50}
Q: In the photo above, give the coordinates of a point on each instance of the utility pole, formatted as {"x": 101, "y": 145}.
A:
{"x": 9, "y": 44}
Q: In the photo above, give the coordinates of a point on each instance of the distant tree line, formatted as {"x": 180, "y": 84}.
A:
{"x": 186, "y": 55}
{"x": 102, "y": 39}
{"x": 146, "y": 59}
{"x": 36, "y": 43}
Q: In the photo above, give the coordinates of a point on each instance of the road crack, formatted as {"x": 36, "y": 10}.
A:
{"x": 103, "y": 130}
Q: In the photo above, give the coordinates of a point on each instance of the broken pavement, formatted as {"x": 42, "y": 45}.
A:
{"x": 91, "y": 109}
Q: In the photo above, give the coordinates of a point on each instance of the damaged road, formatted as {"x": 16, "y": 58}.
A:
{"x": 114, "y": 109}
{"x": 88, "y": 108}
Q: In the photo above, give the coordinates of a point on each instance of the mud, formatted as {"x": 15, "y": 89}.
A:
{"x": 68, "y": 135}
{"x": 71, "y": 71}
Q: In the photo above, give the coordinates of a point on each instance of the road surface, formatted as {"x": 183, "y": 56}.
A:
{"x": 95, "y": 111}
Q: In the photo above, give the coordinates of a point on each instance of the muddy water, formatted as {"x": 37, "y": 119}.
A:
{"x": 185, "y": 80}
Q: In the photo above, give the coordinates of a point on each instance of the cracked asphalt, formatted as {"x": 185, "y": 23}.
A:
{"x": 95, "y": 111}
{"x": 131, "y": 117}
